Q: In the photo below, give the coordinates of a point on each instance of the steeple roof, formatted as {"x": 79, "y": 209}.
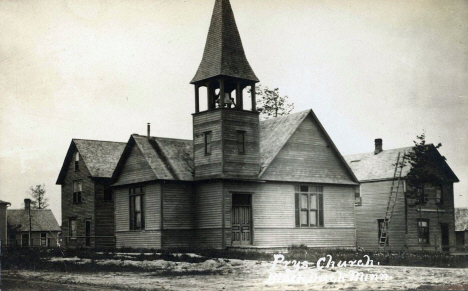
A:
{"x": 224, "y": 54}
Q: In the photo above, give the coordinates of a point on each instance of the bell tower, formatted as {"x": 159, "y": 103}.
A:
{"x": 226, "y": 135}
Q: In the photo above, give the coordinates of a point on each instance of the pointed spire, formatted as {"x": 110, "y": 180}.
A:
{"x": 224, "y": 54}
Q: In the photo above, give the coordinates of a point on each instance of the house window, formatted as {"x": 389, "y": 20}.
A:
{"x": 439, "y": 196}
{"x": 137, "y": 207}
{"x": 44, "y": 239}
{"x": 77, "y": 161}
{"x": 357, "y": 196}
{"x": 208, "y": 143}
{"x": 423, "y": 231}
{"x": 381, "y": 226}
{"x": 309, "y": 206}
{"x": 241, "y": 142}
{"x": 72, "y": 230}
{"x": 77, "y": 189}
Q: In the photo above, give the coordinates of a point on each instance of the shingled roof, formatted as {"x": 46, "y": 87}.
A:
{"x": 381, "y": 166}
{"x": 224, "y": 53}
{"x": 100, "y": 157}
{"x": 41, "y": 220}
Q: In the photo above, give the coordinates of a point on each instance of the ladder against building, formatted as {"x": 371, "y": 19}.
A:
{"x": 396, "y": 184}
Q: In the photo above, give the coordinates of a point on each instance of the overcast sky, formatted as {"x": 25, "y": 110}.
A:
{"x": 103, "y": 69}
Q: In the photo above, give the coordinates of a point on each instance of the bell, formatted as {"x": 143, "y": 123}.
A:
{"x": 228, "y": 99}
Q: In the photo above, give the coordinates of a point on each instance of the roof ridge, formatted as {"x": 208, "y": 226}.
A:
{"x": 98, "y": 140}
{"x": 394, "y": 149}
{"x": 159, "y": 137}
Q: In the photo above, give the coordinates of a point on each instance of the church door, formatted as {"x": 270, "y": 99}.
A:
{"x": 241, "y": 219}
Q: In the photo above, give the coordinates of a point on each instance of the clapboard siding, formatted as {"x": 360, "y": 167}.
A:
{"x": 179, "y": 238}
{"x": 105, "y": 224}
{"x": 81, "y": 211}
{"x": 178, "y": 210}
{"x": 445, "y": 215}
{"x": 374, "y": 205}
{"x": 209, "y": 214}
{"x": 135, "y": 169}
{"x": 274, "y": 215}
{"x": 308, "y": 157}
{"x": 138, "y": 239}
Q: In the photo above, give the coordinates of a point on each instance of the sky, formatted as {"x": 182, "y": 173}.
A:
{"x": 103, "y": 69}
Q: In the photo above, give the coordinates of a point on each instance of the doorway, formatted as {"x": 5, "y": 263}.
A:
{"x": 444, "y": 229}
{"x": 241, "y": 219}
{"x": 88, "y": 233}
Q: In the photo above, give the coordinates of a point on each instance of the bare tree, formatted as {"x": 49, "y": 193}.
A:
{"x": 39, "y": 201}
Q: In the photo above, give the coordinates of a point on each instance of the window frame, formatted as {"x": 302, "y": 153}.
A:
{"x": 77, "y": 195}
{"x": 28, "y": 241}
{"x": 44, "y": 239}
{"x": 133, "y": 194}
{"x": 208, "y": 142}
{"x": 357, "y": 196}
{"x": 72, "y": 233}
{"x": 423, "y": 235}
{"x": 312, "y": 192}
{"x": 77, "y": 162}
{"x": 439, "y": 200}
{"x": 241, "y": 148}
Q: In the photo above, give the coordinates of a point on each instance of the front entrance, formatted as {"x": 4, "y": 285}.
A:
{"x": 241, "y": 219}
{"x": 444, "y": 229}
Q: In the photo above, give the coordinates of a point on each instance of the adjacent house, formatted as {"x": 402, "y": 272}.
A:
{"x": 412, "y": 227}
{"x": 87, "y": 201}
{"x": 3, "y": 222}
{"x": 241, "y": 182}
{"x": 32, "y": 227}
{"x": 461, "y": 228}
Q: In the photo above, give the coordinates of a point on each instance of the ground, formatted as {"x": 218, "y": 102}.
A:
{"x": 224, "y": 274}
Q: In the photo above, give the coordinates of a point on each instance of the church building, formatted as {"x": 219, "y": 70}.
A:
{"x": 240, "y": 182}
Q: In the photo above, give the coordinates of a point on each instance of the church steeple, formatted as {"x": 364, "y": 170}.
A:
{"x": 224, "y": 54}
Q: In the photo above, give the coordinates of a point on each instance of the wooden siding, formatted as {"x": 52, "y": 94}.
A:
{"x": 81, "y": 211}
{"x": 308, "y": 157}
{"x": 135, "y": 169}
{"x": 374, "y": 204}
{"x": 274, "y": 216}
{"x": 435, "y": 219}
{"x": 178, "y": 215}
{"x": 148, "y": 238}
{"x": 207, "y": 166}
{"x": 209, "y": 214}
{"x": 105, "y": 224}
{"x": 403, "y": 229}
{"x": 227, "y": 163}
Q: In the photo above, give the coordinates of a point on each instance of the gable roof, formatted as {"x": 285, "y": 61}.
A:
{"x": 41, "y": 220}
{"x": 224, "y": 53}
{"x": 372, "y": 167}
{"x": 461, "y": 219}
{"x": 170, "y": 159}
{"x": 100, "y": 157}
{"x": 275, "y": 133}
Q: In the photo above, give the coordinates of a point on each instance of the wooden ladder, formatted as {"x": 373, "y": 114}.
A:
{"x": 396, "y": 182}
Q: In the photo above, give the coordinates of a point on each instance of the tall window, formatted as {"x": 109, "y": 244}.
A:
{"x": 439, "y": 196}
{"x": 309, "y": 206}
{"x": 241, "y": 142}
{"x": 137, "y": 207}
{"x": 77, "y": 189}
{"x": 208, "y": 143}
{"x": 423, "y": 231}
{"x": 44, "y": 239}
{"x": 72, "y": 230}
{"x": 381, "y": 226}
{"x": 357, "y": 196}
{"x": 77, "y": 161}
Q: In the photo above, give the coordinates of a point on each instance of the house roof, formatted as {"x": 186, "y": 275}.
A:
{"x": 224, "y": 53}
{"x": 461, "y": 219}
{"x": 4, "y": 202}
{"x": 170, "y": 159}
{"x": 381, "y": 166}
{"x": 41, "y": 219}
{"x": 100, "y": 157}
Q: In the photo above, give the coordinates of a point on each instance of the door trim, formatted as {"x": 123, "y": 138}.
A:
{"x": 252, "y": 215}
